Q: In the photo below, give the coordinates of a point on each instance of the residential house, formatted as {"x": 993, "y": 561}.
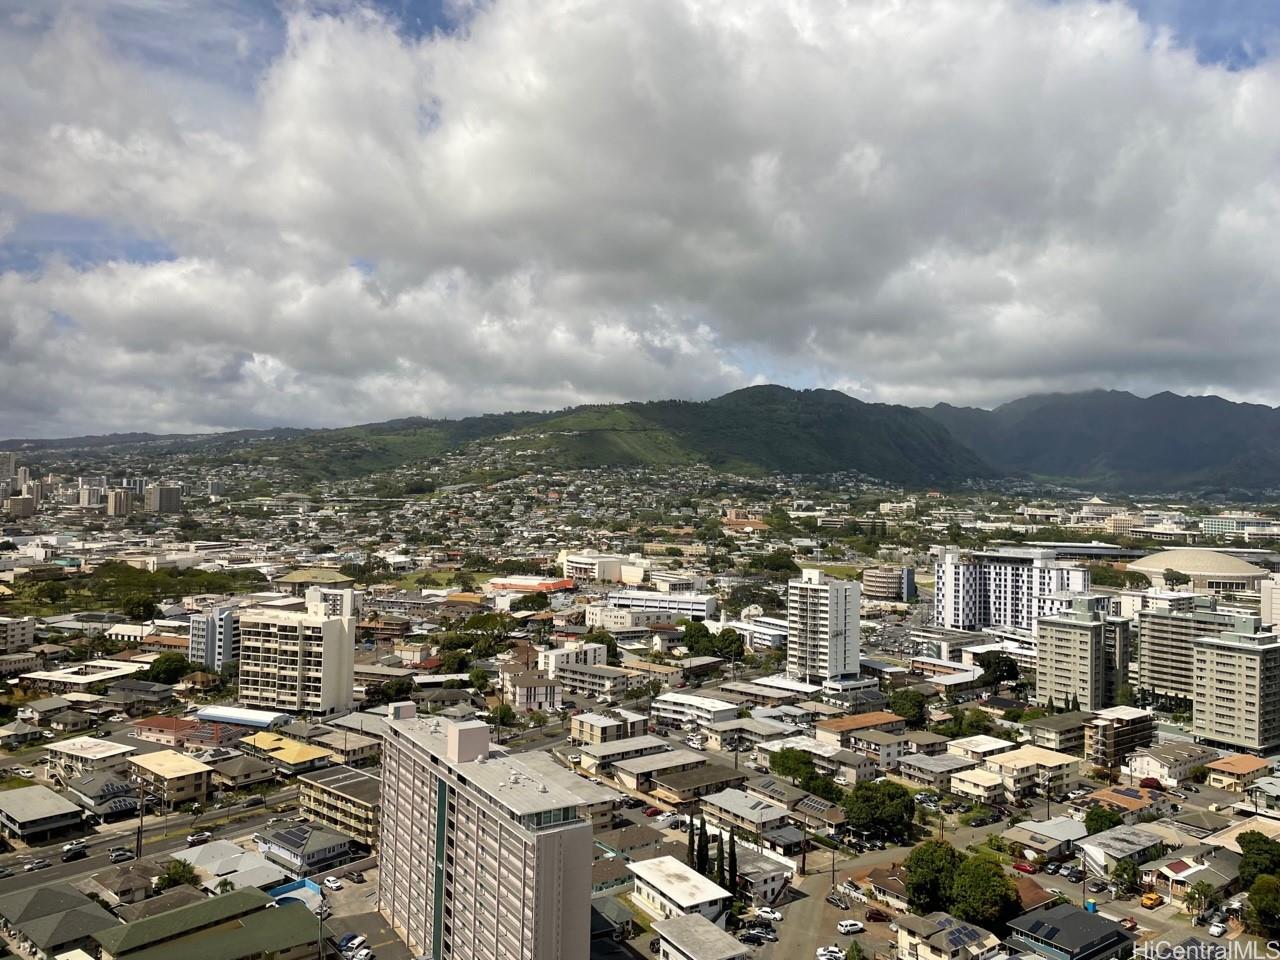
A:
{"x": 1171, "y": 763}
{"x": 1102, "y": 851}
{"x": 665, "y": 888}
{"x": 1236, "y": 772}
{"x": 1062, "y": 931}
{"x": 940, "y": 936}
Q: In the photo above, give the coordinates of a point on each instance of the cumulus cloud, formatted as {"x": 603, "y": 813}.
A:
{"x": 580, "y": 200}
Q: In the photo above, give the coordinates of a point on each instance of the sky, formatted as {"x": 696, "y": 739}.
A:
{"x": 219, "y": 214}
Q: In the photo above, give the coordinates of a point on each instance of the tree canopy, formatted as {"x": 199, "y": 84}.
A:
{"x": 1101, "y": 818}
{"x": 931, "y": 870}
{"x": 984, "y": 894}
{"x": 910, "y": 705}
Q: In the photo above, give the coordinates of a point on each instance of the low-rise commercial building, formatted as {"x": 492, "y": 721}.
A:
{"x": 36, "y": 813}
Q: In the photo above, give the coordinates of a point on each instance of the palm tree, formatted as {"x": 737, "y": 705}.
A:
{"x": 1201, "y": 896}
{"x": 225, "y": 885}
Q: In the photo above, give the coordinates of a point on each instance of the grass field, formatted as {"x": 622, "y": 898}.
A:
{"x": 439, "y": 578}
{"x": 15, "y": 783}
{"x": 841, "y": 571}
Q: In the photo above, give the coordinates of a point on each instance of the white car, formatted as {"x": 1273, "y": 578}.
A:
{"x": 332, "y": 883}
{"x": 768, "y": 913}
{"x": 663, "y": 818}
{"x": 840, "y": 781}
{"x": 829, "y": 953}
{"x": 575, "y": 758}
{"x": 24, "y": 772}
{"x": 1217, "y": 929}
{"x": 849, "y": 926}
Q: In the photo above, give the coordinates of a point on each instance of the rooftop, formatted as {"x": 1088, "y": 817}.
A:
{"x": 26, "y": 804}
{"x": 1239, "y": 763}
{"x": 170, "y": 764}
{"x": 1196, "y": 562}
{"x": 90, "y": 748}
{"x": 859, "y": 721}
{"x": 660, "y": 761}
{"x": 1025, "y": 756}
{"x": 680, "y": 883}
{"x": 696, "y": 936}
{"x": 354, "y": 784}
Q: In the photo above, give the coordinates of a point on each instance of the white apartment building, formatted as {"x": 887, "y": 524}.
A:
{"x": 689, "y": 606}
{"x": 1082, "y": 654}
{"x": 822, "y": 627}
{"x": 599, "y": 681}
{"x": 999, "y": 588}
{"x": 604, "y": 617}
{"x": 573, "y": 654}
{"x": 678, "y": 709}
{"x": 299, "y": 660}
{"x": 215, "y": 637}
{"x": 1235, "y": 691}
{"x": 591, "y": 567}
{"x": 17, "y": 633}
{"x": 669, "y": 581}
{"x": 483, "y": 857}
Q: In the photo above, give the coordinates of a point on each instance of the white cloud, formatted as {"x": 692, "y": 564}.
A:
{"x": 577, "y": 201}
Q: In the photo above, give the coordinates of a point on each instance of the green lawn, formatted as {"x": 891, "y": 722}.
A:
{"x": 15, "y": 783}
{"x": 439, "y": 578}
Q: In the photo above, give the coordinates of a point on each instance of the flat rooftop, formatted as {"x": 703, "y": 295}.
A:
{"x": 348, "y": 782}
{"x": 169, "y": 764}
{"x": 508, "y": 778}
{"x": 660, "y": 761}
{"x": 680, "y": 883}
{"x": 696, "y": 936}
{"x": 90, "y": 748}
{"x": 602, "y": 751}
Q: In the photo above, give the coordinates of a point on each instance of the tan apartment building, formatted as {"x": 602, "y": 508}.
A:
{"x": 1082, "y": 654}
{"x": 344, "y": 798}
{"x": 1236, "y": 772}
{"x": 1167, "y": 628}
{"x": 1115, "y": 733}
{"x": 1235, "y": 690}
{"x": 173, "y": 777}
{"x": 1031, "y": 771}
{"x": 299, "y": 660}
{"x": 482, "y": 855}
{"x": 598, "y": 728}
{"x": 838, "y": 731}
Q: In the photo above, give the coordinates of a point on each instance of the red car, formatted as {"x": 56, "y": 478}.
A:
{"x": 1022, "y": 867}
{"x": 1151, "y": 783}
{"x": 651, "y": 811}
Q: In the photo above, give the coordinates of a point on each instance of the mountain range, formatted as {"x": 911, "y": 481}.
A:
{"x": 1101, "y": 439}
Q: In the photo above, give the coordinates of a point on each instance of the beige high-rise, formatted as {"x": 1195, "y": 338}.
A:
{"x": 1082, "y": 654}
{"x": 1236, "y": 691}
{"x": 483, "y": 857}
{"x": 1166, "y": 630}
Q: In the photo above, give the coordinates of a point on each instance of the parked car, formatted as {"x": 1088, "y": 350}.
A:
{"x": 1150, "y": 900}
{"x": 1075, "y": 874}
{"x": 749, "y": 938}
{"x": 5, "y": 873}
{"x": 876, "y": 915}
{"x": 1129, "y": 924}
{"x": 1151, "y": 783}
{"x": 255, "y": 801}
{"x": 837, "y": 902}
{"x": 355, "y": 876}
{"x": 73, "y": 844}
{"x": 575, "y": 758}
{"x": 651, "y": 811}
{"x": 39, "y": 864}
{"x": 1051, "y": 868}
{"x": 75, "y": 853}
{"x": 195, "y": 839}
{"x": 346, "y": 940}
{"x": 332, "y": 883}
{"x": 768, "y": 913}
{"x": 25, "y": 772}
{"x": 365, "y": 954}
{"x": 849, "y": 926}
{"x": 1217, "y": 929}
{"x": 1023, "y": 867}
{"x": 119, "y": 855}
{"x": 357, "y": 943}
{"x": 764, "y": 933}
{"x": 1097, "y": 886}
{"x": 829, "y": 953}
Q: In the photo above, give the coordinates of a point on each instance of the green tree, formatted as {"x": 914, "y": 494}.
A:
{"x": 1125, "y": 876}
{"x": 1259, "y": 855}
{"x": 1124, "y": 695}
{"x": 176, "y": 873}
{"x": 692, "y": 854}
{"x": 854, "y": 952}
{"x": 1075, "y": 703}
{"x": 1262, "y": 916}
{"x": 463, "y": 581}
{"x": 733, "y": 862}
{"x": 931, "y": 870}
{"x": 885, "y": 808}
{"x": 169, "y": 668}
{"x": 1200, "y": 774}
{"x": 393, "y": 691}
{"x": 140, "y": 607}
{"x": 704, "y": 848}
{"x": 910, "y": 705}
{"x": 225, "y": 885}
{"x": 791, "y": 763}
{"x": 502, "y": 716}
{"x": 534, "y": 601}
{"x": 538, "y": 719}
{"x": 720, "y": 863}
{"x": 1101, "y": 818}
{"x": 997, "y": 668}
{"x": 1202, "y": 896}
{"x": 982, "y": 893}
{"x": 479, "y": 678}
